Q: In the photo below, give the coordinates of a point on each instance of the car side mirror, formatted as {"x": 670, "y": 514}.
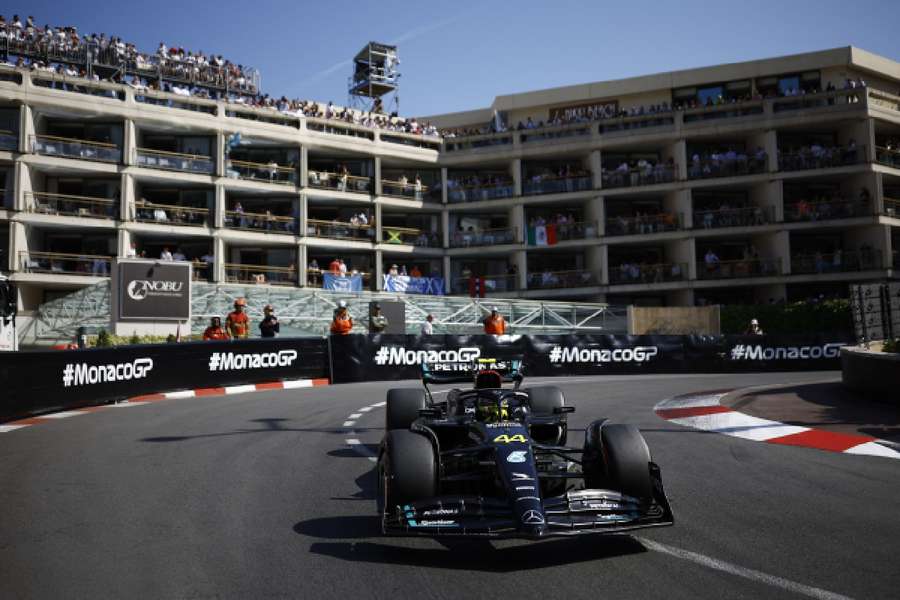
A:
{"x": 558, "y": 410}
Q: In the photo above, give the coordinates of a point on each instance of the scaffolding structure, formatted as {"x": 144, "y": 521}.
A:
{"x": 375, "y": 75}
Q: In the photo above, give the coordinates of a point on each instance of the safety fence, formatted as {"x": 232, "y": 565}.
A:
{"x": 43, "y": 381}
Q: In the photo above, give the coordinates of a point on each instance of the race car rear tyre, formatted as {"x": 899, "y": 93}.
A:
{"x": 403, "y": 405}
{"x": 408, "y": 469}
{"x": 545, "y": 398}
{"x": 627, "y": 460}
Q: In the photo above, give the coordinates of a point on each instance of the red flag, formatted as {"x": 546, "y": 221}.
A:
{"x": 551, "y": 234}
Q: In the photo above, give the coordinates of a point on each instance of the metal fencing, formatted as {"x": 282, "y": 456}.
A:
{"x": 876, "y": 311}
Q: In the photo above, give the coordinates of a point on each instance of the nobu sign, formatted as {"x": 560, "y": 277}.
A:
{"x": 154, "y": 290}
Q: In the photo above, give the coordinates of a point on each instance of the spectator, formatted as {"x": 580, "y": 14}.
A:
{"x": 165, "y": 254}
{"x": 427, "y": 326}
{"x": 269, "y": 326}
{"x": 215, "y": 331}
{"x": 335, "y": 267}
{"x": 754, "y": 328}
{"x": 494, "y": 324}
{"x": 342, "y": 323}
{"x": 237, "y": 323}
{"x": 377, "y": 322}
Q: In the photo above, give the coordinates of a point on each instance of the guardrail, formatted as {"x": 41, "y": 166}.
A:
{"x": 568, "y": 231}
{"x": 643, "y": 224}
{"x": 649, "y": 175}
{"x": 474, "y": 193}
{"x": 341, "y": 182}
{"x": 546, "y": 280}
{"x": 9, "y": 140}
{"x": 239, "y": 219}
{"x": 822, "y": 158}
{"x": 60, "y": 263}
{"x": 556, "y": 185}
{"x": 825, "y": 210}
{"x": 410, "y": 235}
{"x": 260, "y": 274}
{"x": 484, "y": 284}
{"x": 890, "y": 157}
{"x": 836, "y": 262}
{"x": 738, "y": 269}
{"x": 746, "y": 216}
{"x": 76, "y": 206}
{"x": 52, "y": 145}
{"x": 731, "y": 110}
{"x": 635, "y": 273}
{"x": 891, "y": 207}
{"x": 410, "y": 190}
{"x": 170, "y": 214}
{"x": 708, "y": 168}
{"x": 339, "y": 230}
{"x": 820, "y": 100}
{"x": 485, "y": 237}
{"x": 174, "y": 161}
{"x": 267, "y": 173}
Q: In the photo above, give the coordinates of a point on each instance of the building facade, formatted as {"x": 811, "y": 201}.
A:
{"x": 742, "y": 183}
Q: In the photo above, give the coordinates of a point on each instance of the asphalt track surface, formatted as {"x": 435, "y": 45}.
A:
{"x": 259, "y": 495}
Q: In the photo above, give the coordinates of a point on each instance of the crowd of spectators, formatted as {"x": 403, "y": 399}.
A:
{"x": 549, "y": 278}
{"x": 828, "y": 205}
{"x": 750, "y": 264}
{"x": 835, "y": 260}
{"x": 642, "y": 222}
{"x": 631, "y": 173}
{"x": 726, "y": 215}
{"x": 565, "y": 178}
{"x": 817, "y": 156}
{"x": 471, "y": 188}
{"x": 646, "y": 272}
{"x": 726, "y": 162}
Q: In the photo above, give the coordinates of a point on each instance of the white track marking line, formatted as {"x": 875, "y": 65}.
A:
{"x": 348, "y": 424}
{"x": 8, "y": 428}
{"x": 354, "y": 442}
{"x": 63, "y": 415}
{"x": 355, "y": 415}
{"x": 378, "y": 404}
{"x": 746, "y": 573}
{"x": 240, "y": 389}
{"x": 180, "y": 395}
{"x": 297, "y": 383}
{"x": 365, "y": 409}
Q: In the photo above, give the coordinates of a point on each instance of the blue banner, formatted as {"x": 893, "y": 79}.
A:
{"x": 342, "y": 283}
{"x": 430, "y": 286}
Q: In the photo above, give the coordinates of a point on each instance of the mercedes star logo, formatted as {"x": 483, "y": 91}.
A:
{"x": 532, "y": 517}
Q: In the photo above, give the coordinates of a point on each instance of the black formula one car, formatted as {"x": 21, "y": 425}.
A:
{"x": 493, "y": 462}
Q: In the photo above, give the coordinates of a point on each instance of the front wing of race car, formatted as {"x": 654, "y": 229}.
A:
{"x": 574, "y": 513}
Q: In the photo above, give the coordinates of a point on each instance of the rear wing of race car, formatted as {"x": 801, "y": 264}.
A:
{"x": 464, "y": 372}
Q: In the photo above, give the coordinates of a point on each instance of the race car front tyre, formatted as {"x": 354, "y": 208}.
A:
{"x": 403, "y": 405}
{"x": 408, "y": 469}
{"x": 627, "y": 460}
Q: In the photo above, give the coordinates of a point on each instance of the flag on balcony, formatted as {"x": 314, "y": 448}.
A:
{"x": 537, "y": 236}
{"x": 551, "y": 234}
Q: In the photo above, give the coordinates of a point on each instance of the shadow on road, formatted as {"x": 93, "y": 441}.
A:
{"x": 267, "y": 425}
{"x": 469, "y": 555}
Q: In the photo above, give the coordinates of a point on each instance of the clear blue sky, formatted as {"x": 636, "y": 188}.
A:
{"x": 459, "y": 55}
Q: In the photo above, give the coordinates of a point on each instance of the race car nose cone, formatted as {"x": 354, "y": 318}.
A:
{"x": 535, "y": 531}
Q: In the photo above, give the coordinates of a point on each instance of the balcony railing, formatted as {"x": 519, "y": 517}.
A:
{"x": 556, "y": 133}
{"x": 566, "y": 232}
{"x": 738, "y": 269}
{"x": 239, "y": 219}
{"x": 201, "y": 271}
{"x": 410, "y": 235}
{"x": 260, "y": 274}
{"x": 836, "y": 262}
{"x": 9, "y": 140}
{"x": 268, "y": 173}
{"x": 707, "y": 168}
{"x": 487, "y": 284}
{"x": 339, "y": 230}
{"x": 546, "y": 280}
{"x": 478, "y": 141}
{"x": 650, "y": 175}
{"x": 635, "y": 273}
{"x": 175, "y": 161}
{"x": 643, "y": 224}
{"x": 336, "y": 181}
{"x": 822, "y": 99}
{"x": 65, "y": 264}
{"x": 646, "y": 121}
{"x": 75, "y": 206}
{"x": 474, "y": 193}
{"x": 410, "y": 190}
{"x": 484, "y": 237}
{"x": 797, "y": 212}
{"x": 889, "y": 157}
{"x": 824, "y": 158}
{"x": 51, "y": 145}
{"x": 724, "y": 111}
{"x": 747, "y": 216}
{"x": 556, "y": 185}
{"x": 170, "y": 214}
{"x": 891, "y": 207}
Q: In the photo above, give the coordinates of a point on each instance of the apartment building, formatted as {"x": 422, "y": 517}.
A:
{"x": 749, "y": 182}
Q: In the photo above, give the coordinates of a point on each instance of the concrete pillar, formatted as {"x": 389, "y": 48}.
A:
{"x": 516, "y": 168}
{"x": 518, "y": 223}
{"x": 445, "y": 229}
{"x": 679, "y": 202}
{"x": 123, "y": 243}
{"x": 23, "y": 186}
{"x": 129, "y": 143}
{"x": 771, "y": 147}
{"x": 303, "y": 211}
{"x": 18, "y": 243}
{"x": 782, "y": 249}
{"x": 443, "y": 185}
{"x": 126, "y": 201}
{"x": 595, "y": 211}
{"x": 304, "y": 167}
{"x": 446, "y": 268}
{"x": 219, "y": 207}
{"x": 26, "y": 128}
{"x": 603, "y": 252}
{"x": 218, "y": 272}
{"x": 596, "y": 166}
{"x": 593, "y": 262}
{"x": 520, "y": 259}
{"x": 379, "y": 234}
{"x": 377, "y": 170}
{"x": 379, "y": 270}
{"x": 678, "y": 152}
{"x": 220, "y": 153}
{"x": 776, "y": 199}
{"x": 302, "y": 261}
{"x": 878, "y": 193}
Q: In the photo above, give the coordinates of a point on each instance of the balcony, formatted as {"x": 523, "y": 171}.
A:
{"x": 820, "y": 100}
{"x": 727, "y": 166}
{"x": 341, "y": 182}
{"x": 411, "y": 191}
{"x": 747, "y": 216}
{"x": 175, "y": 161}
{"x": 738, "y": 269}
{"x": 548, "y": 280}
{"x": 170, "y": 214}
{"x": 891, "y": 208}
{"x": 59, "y": 263}
{"x": 9, "y": 140}
{"x": 836, "y": 262}
{"x": 338, "y": 230}
{"x": 51, "y": 145}
{"x": 646, "y": 121}
{"x": 556, "y": 185}
{"x": 267, "y": 222}
{"x": 730, "y": 110}
{"x": 634, "y": 273}
{"x": 561, "y": 132}
{"x": 818, "y": 157}
{"x": 411, "y": 236}
{"x": 484, "y": 237}
{"x": 73, "y": 206}
{"x": 266, "y": 173}
{"x": 802, "y": 211}
{"x": 649, "y": 175}
{"x": 474, "y": 193}
{"x": 567, "y": 232}
{"x": 887, "y": 156}
{"x": 643, "y": 224}
{"x": 489, "y": 284}
{"x": 260, "y": 274}
{"x": 454, "y": 144}
{"x": 201, "y": 271}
